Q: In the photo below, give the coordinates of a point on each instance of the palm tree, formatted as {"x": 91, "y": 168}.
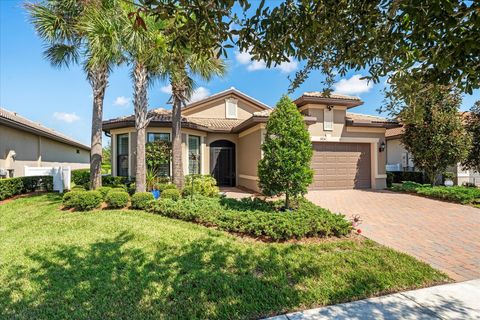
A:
{"x": 145, "y": 49}
{"x": 79, "y": 31}
{"x": 180, "y": 67}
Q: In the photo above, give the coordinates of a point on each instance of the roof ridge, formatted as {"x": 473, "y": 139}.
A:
{"x": 14, "y": 116}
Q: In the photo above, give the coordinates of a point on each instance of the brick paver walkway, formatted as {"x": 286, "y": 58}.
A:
{"x": 445, "y": 235}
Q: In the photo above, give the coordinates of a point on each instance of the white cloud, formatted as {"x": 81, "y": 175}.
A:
{"x": 354, "y": 85}
{"x": 121, "y": 101}
{"x": 288, "y": 66}
{"x": 256, "y": 65}
{"x": 166, "y": 89}
{"x": 245, "y": 58}
{"x": 66, "y": 117}
{"x": 199, "y": 94}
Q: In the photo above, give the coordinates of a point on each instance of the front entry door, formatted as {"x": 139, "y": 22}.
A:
{"x": 222, "y": 162}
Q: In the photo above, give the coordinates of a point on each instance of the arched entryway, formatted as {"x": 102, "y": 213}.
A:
{"x": 222, "y": 162}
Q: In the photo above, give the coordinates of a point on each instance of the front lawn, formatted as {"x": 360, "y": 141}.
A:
{"x": 124, "y": 264}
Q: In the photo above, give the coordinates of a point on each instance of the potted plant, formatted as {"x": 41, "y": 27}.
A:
{"x": 448, "y": 178}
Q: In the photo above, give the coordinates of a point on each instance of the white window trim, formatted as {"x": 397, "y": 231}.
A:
{"x": 235, "y": 103}
{"x": 328, "y": 124}
{"x": 187, "y": 154}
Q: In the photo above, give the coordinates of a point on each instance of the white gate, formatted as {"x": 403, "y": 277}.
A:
{"x": 61, "y": 175}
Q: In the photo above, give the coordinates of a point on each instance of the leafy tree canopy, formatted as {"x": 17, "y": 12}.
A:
{"x": 473, "y": 128}
{"x": 437, "y": 40}
{"x": 434, "y": 133}
{"x": 287, "y": 152}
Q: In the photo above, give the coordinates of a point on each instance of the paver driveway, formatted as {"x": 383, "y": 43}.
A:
{"x": 445, "y": 235}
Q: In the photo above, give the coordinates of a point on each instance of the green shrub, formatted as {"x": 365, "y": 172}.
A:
{"x": 14, "y": 186}
{"x": 141, "y": 200}
{"x": 409, "y": 186}
{"x": 173, "y": 194}
{"x": 165, "y": 186}
{"x": 456, "y": 194}
{"x": 78, "y": 188}
{"x": 117, "y": 189}
{"x": 104, "y": 191}
{"x": 86, "y": 200}
{"x": 68, "y": 198}
{"x": 109, "y": 180}
{"x": 308, "y": 220}
{"x": 204, "y": 185}
{"x": 81, "y": 177}
{"x": 401, "y": 176}
{"x": 117, "y": 199}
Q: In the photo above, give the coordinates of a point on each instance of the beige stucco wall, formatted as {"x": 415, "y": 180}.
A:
{"x": 216, "y": 109}
{"x": 343, "y": 133}
{"x": 35, "y": 151}
{"x": 249, "y": 154}
{"x": 394, "y": 151}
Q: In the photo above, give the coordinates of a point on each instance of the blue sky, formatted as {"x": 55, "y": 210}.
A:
{"x": 61, "y": 98}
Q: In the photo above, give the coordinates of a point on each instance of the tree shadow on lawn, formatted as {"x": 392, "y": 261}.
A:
{"x": 209, "y": 278}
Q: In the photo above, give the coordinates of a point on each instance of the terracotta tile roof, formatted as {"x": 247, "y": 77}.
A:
{"x": 365, "y": 117}
{"x": 393, "y": 132}
{"x": 263, "y": 113}
{"x": 220, "y": 124}
{"x": 25, "y": 124}
{"x": 319, "y": 94}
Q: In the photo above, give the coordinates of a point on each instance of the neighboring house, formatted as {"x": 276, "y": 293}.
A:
{"x": 398, "y": 159}
{"x": 225, "y": 132}
{"x": 27, "y": 143}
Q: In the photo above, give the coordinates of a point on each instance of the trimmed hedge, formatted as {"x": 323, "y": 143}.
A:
{"x": 457, "y": 194}
{"x": 165, "y": 186}
{"x": 85, "y": 200}
{"x": 401, "y": 176}
{"x": 141, "y": 200}
{"x": 104, "y": 191}
{"x": 81, "y": 177}
{"x": 173, "y": 194}
{"x": 117, "y": 199}
{"x": 14, "y": 186}
{"x": 239, "y": 216}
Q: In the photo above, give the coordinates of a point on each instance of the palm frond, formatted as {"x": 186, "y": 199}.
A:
{"x": 62, "y": 55}
{"x": 206, "y": 67}
{"x": 55, "y": 21}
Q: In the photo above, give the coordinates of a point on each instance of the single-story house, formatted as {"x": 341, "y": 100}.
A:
{"x": 399, "y": 159}
{"x": 225, "y": 131}
{"x": 26, "y": 143}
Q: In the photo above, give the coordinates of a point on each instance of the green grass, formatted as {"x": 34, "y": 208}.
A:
{"x": 134, "y": 265}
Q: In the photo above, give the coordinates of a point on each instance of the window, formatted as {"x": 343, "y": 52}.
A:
{"x": 154, "y": 136}
{"x": 122, "y": 155}
{"x": 162, "y": 136}
{"x": 231, "y": 108}
{"x": 328, "y": 119}
{"x": 194, "y": 155}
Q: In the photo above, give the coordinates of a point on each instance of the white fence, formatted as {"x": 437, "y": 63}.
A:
{"x": 61, "y": 175}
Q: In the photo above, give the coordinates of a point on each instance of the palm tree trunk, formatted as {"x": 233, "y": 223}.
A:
{"x": 140, "y": 75}
{"x": 178, "y": 93}
{"x": 98, "y": 79}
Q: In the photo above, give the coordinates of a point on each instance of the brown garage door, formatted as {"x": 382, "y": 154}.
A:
{"x": 341, "y": 165}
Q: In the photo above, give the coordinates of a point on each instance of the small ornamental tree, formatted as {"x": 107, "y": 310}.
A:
{"x": 287, "y": 152}
{"x": 157, "y": 153}
{"x": 473, "y": 128}
{"x": 434, "y": 133}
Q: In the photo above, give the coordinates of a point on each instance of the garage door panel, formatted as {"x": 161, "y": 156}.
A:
{"x": 341, "y": 165}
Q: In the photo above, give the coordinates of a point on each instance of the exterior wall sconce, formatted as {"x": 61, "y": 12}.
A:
{"x": 382, "y": 147}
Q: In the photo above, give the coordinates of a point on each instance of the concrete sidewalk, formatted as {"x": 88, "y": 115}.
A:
{"x": 451, "y": 301}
